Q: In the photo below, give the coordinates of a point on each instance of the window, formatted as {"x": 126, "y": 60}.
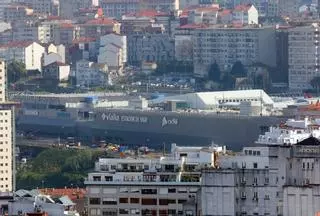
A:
{"x": 255, "y": 165}
{"x": 94, "y": 201}
{"x": 134, "y": 200}
{"x": 149, "y": 191}
{"x": 171, "y": 190}
{"x": 123, "y": 211}
{"x": 109, "y": 201}
{"x": 109, "y": 212}
{"x": 149, "y": 201}
{"x": 123, "y": 200}
{"x": 181, "y": 201}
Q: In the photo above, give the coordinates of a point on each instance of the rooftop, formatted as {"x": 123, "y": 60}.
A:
{"x": 101, "y": 21}
{"x": 16, "y": 44}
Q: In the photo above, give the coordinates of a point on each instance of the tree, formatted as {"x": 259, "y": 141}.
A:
{"x": 315, "y": 82}
{"x": 228, "y": 81}
{"x": 15, "y": 71}
{"x": 214, "y": 72}
{"x": 238, "y": 70}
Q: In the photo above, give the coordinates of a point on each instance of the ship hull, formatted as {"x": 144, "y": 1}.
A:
{"x": 155, "y": 129}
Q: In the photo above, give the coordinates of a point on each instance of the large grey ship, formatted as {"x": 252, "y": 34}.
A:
{"x": 76, "y": 116}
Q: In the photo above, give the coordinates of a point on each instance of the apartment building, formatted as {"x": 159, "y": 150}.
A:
{"x": 304, "y": 59}
{"x": 90, "y": 74}
{"x": 150, "y": 47}
{"x": 117, "y": 8}
{"x": 56, "y": 71}
{"x": 279, "y": 176}
{"x": 29, "y": 53}
{"x": 7, "y": 135}
{"x": 148, "y": 186}
{"x": 68, "y": 8}
{"x": 160, "y": 5}
{"x": 98, "y": 27}
{"x": 48, "y": 7}
{"x": 13, "y": 13}
{"x": 289, "y": 8}
{"x": 26, "y": 31}
{"x": 3, "y": 5}
{"x": 228, "y": 44}
{"x": 238, "y": 192}
{"x": 245, "y": 15}
{"x": 113, "y": 52}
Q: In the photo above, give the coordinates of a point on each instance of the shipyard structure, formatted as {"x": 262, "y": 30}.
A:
{"x": 231, "y": 118}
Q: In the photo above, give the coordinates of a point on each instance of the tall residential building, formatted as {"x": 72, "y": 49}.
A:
{"x": 150, "y": 47}
{"x": 67, "y": 8}
{"x": 282, "y": 55}
{"x": 3, "y": 5}
{"x": 304, "y": 62}
{"x": 278, "y": 176}
{"x": 289, "y": 8}
{"x": 227, "y": 45}
{"x": 148, "y": 186}
{"x": 7, "y": 135}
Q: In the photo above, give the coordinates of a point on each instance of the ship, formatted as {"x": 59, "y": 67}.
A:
{"x": 115, "y": 122}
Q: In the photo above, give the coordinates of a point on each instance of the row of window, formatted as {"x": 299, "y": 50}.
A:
{"x": 135, "y": 211}
{"x": 143, "y": 201}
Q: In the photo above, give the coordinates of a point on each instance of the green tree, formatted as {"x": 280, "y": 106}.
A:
{"x": 238, "y": 70}
{"x": 214, "y": 72}
{"x": 228, "y": 81}
{"x": 315, "y": 83}
{"x": 15, "y": 71}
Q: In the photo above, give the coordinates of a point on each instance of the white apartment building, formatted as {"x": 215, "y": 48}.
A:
{"x": 29, "y": 53}
{"x": 226, "y": 45}
{"x": 304, "y": 62}
{"x": 113, "y": 52}
{"x": 90, "y": 74}
{"x": 148, "y": 186}
{"x": 7, "y": 135}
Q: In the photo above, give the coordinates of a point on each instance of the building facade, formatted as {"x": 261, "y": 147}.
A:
{"x": 7, "y": 135}
{"x": 227, "y": 45}
{"x": 144, "y": 186}
{"x": 56, "y": 71}
{"x": 304, "y": 59}
{"x": 150, "y": 47}
{"x": 90, "y": 74}
{"x": 29, "y": 53}
{"x": 113, "y": 52}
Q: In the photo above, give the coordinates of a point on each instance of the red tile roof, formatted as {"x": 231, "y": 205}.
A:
{"x": 72, "y": 193}
{"x": 242, "y": 7}
{"x": 66, "y": 25}
{"x": 84, "y": 40}
{"x": 207, "y": 9}
{"x": 225, "y": 12}
{"x": 16, "y": 44}
{"x": 101, "y": 21}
